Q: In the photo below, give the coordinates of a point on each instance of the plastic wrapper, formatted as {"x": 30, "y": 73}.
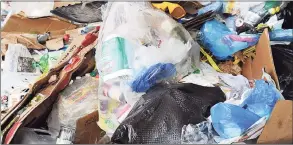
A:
{"x": 77, "y": 100}
{"x": 224, "y": 43}
{"x": 282, "y": 35}
{"x": 48, "y": 60}
{"x": 201, "y": 133}
{"x": 160, "y": 114}
{"x": 283, "y": 60}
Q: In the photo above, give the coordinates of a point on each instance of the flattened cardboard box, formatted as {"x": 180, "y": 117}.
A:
{"x": 252, "y": 69}
{"x": 278, "y": 129}
{"x": 87, "y": 129}
{"x": 21, "y": 24}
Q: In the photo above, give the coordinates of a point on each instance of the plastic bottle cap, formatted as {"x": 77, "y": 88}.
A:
{"x": 278, "y": 9}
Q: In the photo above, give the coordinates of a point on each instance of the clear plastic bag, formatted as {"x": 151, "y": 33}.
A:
{"x": 77, "y": 100}
{"x": 135, "y": 36}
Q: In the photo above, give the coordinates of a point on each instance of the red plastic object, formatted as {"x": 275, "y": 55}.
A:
{"x": 89, "y": 39}
{"x": 66, "y": 37}
{"x": 98, "y": 28}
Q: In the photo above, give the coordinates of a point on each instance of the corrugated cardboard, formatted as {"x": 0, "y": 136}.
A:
{"x": 278, "y": 129}
{"x": 28, "y": 40}
{"x": 21, "y": 24}
{"x": 87, "y": 129}
{"x": 252, "y": 69}
{"x": 55, "y": 44}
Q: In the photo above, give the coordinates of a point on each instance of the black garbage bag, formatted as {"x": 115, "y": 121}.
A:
{"x": 287, "y": 15}
{"x": 90, "y": 13}
{"x": 283, "y": 60}
{"x": 159, "y": 115}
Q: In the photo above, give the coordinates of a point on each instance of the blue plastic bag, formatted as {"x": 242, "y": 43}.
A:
{"x": 222, "y": 42}
{"x": 282, "y": 35}
{"x": 149, "y": 77}
{"x": 215, "y": 7}
{"x": 262, "y": 99}
{"x": 230, "y": 120}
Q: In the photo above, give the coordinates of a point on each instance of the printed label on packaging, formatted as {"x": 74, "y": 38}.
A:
{"x": 116, "y": 58}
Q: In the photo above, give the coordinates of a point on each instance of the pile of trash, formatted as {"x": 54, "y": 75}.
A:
{"x": 185, "y": 72}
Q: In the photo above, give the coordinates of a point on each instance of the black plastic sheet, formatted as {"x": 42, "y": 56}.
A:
{"x": 283, "y": 60}
{"x": 160, "y": 114}
{"x": 287, "y": 15}
{"x": 90, "y": 13}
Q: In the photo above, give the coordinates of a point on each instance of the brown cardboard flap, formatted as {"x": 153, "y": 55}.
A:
{"x": 87, "y": 129}
{"x": 21, "y": 24}
{"x": 278, "y": 129}
{"x": 55, "y": 44}
{"x": 252, "y": 69}
{"x": 30, "y": 41}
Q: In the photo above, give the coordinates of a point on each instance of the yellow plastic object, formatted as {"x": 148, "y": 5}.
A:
{"x": 175, "y": 10}
{"x": 210, "y": 59}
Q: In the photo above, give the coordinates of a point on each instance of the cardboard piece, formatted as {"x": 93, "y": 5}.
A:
{"x": 21, "y": 24}
{"x": 252, "y": 69}
{"x": 28, "y": 40}
{"x": 278, "y": 129}
{"x": 73, "y": 33}
{"x": 48, "y": 92}
{"x": 55, "y": 44}
{"x": 87, "y": 129}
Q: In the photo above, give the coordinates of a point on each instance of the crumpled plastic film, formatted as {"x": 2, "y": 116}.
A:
{"x": 77, "y": 100}
{"x": 201, "y": 133}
